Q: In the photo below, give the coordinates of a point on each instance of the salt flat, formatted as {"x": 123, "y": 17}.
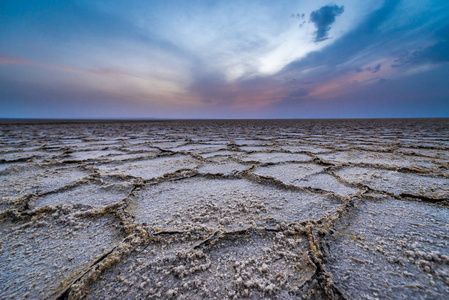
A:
{"x": 225, "y": 209}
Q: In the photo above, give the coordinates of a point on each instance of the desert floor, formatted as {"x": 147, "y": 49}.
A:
{"x": 275, "y": 209}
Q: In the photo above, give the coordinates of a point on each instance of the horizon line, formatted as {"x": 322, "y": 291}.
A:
{"x": 9, "y": 120}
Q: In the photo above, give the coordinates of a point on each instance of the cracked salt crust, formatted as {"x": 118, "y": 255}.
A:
{"x": 306, "y": 175}
{"x": 376, "y": 158}
{"x": 398, "y": 183}
{"x": 229, "y": 203}
{"x": 39, "y": 257}
{"x": 21, "y": 180}
{"x": 153, "y": 168}
{"x": 275, "y": 157}
{"x": 253, "y": 265}
{"x": 187, "y": 209}
{"x": 222, "y": 167}
{"x": 390, "y": 247}
{"x": 93, "y": 194}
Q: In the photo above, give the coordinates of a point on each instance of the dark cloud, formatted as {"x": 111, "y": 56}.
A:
{"x": 306, "y": 81}
{"x": 323, "y": 18}
{"x": 353, "y": 43}
{"x": 298, "y": 93}
{"x": 296, "y": 81}
{"x": 296, "y": 97}
{"x": 208, "y": 101}
{"x": 374, "y": 69}
{"x": 437, "y": 53}
{"x": 298, "y": 16}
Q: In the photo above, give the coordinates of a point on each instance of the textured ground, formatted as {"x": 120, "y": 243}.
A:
{"x": 313, "y": 209}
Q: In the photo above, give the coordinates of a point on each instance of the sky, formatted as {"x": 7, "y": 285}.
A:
{"x": 224, "y": 59}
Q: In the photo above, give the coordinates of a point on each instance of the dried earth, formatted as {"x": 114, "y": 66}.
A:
{"x": 268, "y": 209}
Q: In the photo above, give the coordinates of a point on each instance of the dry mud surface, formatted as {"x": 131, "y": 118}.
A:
{"x": 308, "y": 209}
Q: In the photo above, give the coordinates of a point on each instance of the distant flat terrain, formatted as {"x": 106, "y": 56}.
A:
{"x": 225, "y": 209}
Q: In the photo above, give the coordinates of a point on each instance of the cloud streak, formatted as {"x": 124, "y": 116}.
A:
{"x": 437, "y": 53}
{"x": 18, "y": 61}
{"x": 374, "y": 69}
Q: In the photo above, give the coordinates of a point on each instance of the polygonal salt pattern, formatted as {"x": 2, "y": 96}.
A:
{"x": 222, "y": 168}
{"x": 197, "y": 148}
{"x": 306, "y": 176}
{"x": 151, "y": 168}
{"x": 230, "y": 203}
{"x": 398, "y": 183}
{"x": 391, "y": 247}
{"x": 220, "y": 209}
{"x": 94, "y": 194}
{"x": 250, "y": 265}
{"x": 92, "y": 154}
{"x": 305, "y": 148}
{"x": 220, "y": 153}
{"x": 20, "y": 180}
{"x": 275, "y": 157}
{"x": 380, "y": 158}
{"x": 39, "y": 258}
{"x": 289, "y": 173}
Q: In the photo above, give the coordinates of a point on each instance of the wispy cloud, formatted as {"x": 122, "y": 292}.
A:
{"x": 436, "y": 53}
{"x": 107, "y": 72}
{"x": 9, "y": 60}
{"x": 374, "y": 69}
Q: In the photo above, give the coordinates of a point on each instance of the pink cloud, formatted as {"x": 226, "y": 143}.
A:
{"x": 18, "y": 61}
{"x": 9, "y": 60}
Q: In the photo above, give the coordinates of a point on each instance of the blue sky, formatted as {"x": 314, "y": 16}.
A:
{"x": 224, "y": 59}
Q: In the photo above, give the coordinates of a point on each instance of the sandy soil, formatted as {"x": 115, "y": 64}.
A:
{"x": 274, "y": 209}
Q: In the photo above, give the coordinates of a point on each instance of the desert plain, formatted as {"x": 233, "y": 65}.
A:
{"x": 224, "y": 209}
